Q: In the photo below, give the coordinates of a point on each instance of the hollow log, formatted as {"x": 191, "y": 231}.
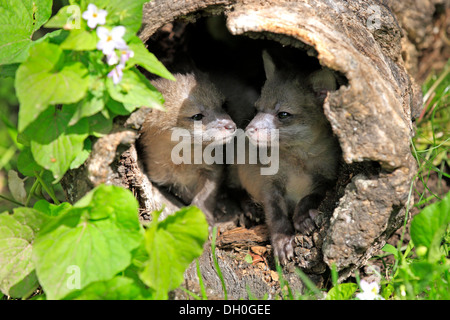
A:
{"x": 371, "y": 115}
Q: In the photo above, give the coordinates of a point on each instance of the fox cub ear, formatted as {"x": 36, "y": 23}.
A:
{"x": 269, "y": 65}
{"x": 322, "y": 82}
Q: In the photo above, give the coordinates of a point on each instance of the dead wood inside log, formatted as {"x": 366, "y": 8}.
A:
{"x": 242, "y": 237}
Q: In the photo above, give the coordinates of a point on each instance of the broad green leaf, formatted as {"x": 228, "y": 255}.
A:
{"x": 118, "y": 288}
{"x": 83, "y": 155}
{"x": 55, "y": 144}
{"x": 172, "y": 244}
{"x": 19, "y": 19}
{"x": 16, "y": 186}
{"x": 387, "y": 290}
{"x": 343, "y": 291}
{"x": 46, "y": 78}
{"x": 90, "y": 105}
{"x": 26, "y": 163}
{"x": 17, "y": 233}
{"x": 90, "y": 242}
{"x": 50, "y": 209}
{"x": 8, "y": 70}
{"x": 68, "y": 17}
{"x": 80, "y": 40}
{"x": 135, "y": 90}
{"x": 424, "y": 272}
{"x": 99, "y": 124}
{"x": 119, "y": 108}
{"x": 429, "y": 226}
{"x": 390, "y": 249}
{"x": 147, "y": 60}
{"x": 124, "y": 13}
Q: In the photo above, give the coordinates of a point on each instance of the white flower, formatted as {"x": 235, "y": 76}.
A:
{"x": 369, "y": 291}
{"x": 94, "y": 16}
{"x": 125, "y": 55}
{"x": 116, "y": 74}
{"x": 111, "y": 40}
{"x": 112, "y": 58}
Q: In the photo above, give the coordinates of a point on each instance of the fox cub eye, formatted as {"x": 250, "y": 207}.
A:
{"x": 283, "y": 115}
{"x": 197, "y": 117}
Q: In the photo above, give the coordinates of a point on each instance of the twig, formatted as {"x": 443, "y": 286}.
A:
{"x": 47, "y": 188}
{"x": 12, "y": 200}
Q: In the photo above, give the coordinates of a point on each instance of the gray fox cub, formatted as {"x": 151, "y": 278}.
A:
{"x": 292, "y": 103}
{"x": 192, "y": 103}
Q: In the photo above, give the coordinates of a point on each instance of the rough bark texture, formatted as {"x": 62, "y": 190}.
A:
{"x": 426, "y": 26}
{"x": 371, "y": 116}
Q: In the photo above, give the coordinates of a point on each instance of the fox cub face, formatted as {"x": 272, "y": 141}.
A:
{"x": 196, "y": 105}
{"x": 292, "y": 103}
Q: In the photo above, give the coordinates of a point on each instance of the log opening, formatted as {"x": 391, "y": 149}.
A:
{"x": 203, "y": 40}
{"x": 223, "y": 40}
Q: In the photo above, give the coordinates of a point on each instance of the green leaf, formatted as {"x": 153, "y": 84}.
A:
{"x": 343, "y": 291}
{"x": 424, "y": 272}
{"x": 118, "y": 288}
{"x": 119, "y": 108}
{"x": 26, "y": 163}
{"x": 16, "y": 186}
{"x": 429, "y": 226}
{"x": 90, "y": 242}
{"x": 55, "y": 144}
{"x": 99, "y": 124}
{"x": 80, "y": 40}
{"x": 124, "y": 13}
{"x": 87, "y": 107}
{"x": 50, "y": 209}
{"x": 147, "y": 60}
{"x": 135, "y": 90}
{"x": 68, "y": 17}
{"x": 8, "y": 70}
{"x": 391, "y": 249}
{"x": 19, "y": 19}
{"x": 17, "y": 233}
{"x": 45, "y": 78}
{"x": 172, "y": 244}
{"x": 387, "y": 291}
{"x": 83, "y": 155}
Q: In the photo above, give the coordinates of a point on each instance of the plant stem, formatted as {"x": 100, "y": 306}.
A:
{"x": 435, "y": 85}
{"x": 308, "y": 283}
{"x": 12, "y": 200}
{"x": 48, "y": 189}
{"x": 193, "y": 295}
{"x": 33, "y": 187}
{"x": 216, "y": 264}
{"x": 200, "y": 280}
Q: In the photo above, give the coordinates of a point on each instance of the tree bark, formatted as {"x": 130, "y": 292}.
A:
{"x": 372, "y": 117}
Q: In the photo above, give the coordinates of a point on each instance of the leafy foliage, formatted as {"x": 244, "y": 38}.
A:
{"x": 18, "y": 21}
{"x": 62, "y": 80}
{"x": 176, "y": 241}
{"x": 97, "y": 247}
{"x": 425, "y": 274}
{"x": 93, "y": 248}
{"x": 17, "y": 233}
{"x": 96, "y": 235}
